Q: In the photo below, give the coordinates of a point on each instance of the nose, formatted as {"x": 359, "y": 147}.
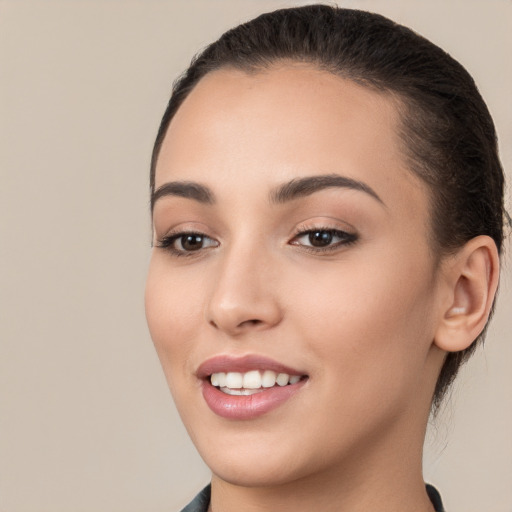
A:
{"x": 244, "y": 297}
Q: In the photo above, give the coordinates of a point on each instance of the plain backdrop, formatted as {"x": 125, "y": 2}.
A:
{"x": 86, "y": 421}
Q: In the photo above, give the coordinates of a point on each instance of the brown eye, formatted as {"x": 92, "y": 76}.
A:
{"x": 191, "y": 242}
{"x": 183, "y": 244}
{"x": 320, "y": 238}
{"x": 324, "y": 239}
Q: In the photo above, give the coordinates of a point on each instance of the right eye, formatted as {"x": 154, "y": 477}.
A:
{"x": 185, "y": 244}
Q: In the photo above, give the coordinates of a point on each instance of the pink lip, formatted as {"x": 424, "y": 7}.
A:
{"x": 248, "y": 407}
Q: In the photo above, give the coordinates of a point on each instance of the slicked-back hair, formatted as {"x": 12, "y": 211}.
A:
{"x": 447, "y": 134}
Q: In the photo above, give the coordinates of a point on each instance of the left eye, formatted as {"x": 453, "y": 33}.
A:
{"x": 323, "y": 238}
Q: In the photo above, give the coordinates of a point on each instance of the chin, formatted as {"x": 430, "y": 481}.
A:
{"x": 255, "y": 460}
{"x": 258, "y": 472}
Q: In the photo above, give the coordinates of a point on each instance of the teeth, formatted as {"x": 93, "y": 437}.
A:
{"x": 235, "y": 383}
{"x": 252, "y": 380}
{"x": 282, "y": 379}
{"x": 269, "y": 379}
{"x": 234, "y": 380}
{"x": 239, "y": 392}
{"x": 221, "y": 377}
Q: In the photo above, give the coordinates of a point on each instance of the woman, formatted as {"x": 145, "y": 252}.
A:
{"x": 327, "y": 205}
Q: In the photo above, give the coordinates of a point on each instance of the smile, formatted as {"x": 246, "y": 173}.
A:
{"x": 249, "y": 383}
{"x": 242, "y": 388}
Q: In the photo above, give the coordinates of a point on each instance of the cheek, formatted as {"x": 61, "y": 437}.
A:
{"x": 370, "y": 327}
{"x": 172, "y": 311}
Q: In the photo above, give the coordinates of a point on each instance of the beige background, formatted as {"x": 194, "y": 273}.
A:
{"x": 86, "y": 421}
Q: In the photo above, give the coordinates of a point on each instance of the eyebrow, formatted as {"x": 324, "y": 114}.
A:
{"x": 187, "y": 189}
{"x": 301, "y": 187}
{"x": 294, "y": 189}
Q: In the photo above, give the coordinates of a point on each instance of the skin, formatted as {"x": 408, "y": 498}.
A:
{"x": 369, "y": 322}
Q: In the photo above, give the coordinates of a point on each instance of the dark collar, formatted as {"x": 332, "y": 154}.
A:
{"x": 202, "y": 500}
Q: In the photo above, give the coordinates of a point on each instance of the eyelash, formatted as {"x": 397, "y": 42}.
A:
{"x": 346, "y": 239}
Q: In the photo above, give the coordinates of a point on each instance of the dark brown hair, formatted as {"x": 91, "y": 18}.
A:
{"x": 447, "y": 132}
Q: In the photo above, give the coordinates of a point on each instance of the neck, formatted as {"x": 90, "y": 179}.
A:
{"x": 386, "y": 475}
{"x": 395, "y": 490}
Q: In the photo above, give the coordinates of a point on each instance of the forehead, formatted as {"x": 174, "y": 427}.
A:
{"x": 270, "y": 126}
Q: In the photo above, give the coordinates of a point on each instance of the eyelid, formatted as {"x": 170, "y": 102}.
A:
{"x": 169, "y": 229}
{"x": 323, "y": 224}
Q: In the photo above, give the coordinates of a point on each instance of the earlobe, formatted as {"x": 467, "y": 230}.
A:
{"x": 472, "y": 279}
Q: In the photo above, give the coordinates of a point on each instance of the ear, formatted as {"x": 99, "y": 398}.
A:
{"x": 472, "y": 280}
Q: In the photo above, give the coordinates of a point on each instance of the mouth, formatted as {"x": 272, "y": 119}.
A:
{"x": 252, "y": 382}
{"x": 247, "y": 387}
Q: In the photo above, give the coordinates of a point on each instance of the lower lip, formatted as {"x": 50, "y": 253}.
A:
{"x": 240, "y": 407}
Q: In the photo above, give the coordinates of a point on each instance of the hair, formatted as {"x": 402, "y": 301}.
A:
{"x": 446, "y": 131}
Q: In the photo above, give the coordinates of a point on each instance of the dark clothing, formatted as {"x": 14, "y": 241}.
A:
{"x": 202, "y": 500}
{"x": 435, "y": 498}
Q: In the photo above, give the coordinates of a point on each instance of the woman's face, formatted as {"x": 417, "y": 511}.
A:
{"x": 291, "y": 238}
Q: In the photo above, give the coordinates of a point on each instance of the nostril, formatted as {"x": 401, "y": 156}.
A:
{"x": 251, "y": 322}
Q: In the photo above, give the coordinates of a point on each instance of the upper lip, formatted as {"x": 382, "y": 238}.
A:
{"x": 242, "y": 364}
